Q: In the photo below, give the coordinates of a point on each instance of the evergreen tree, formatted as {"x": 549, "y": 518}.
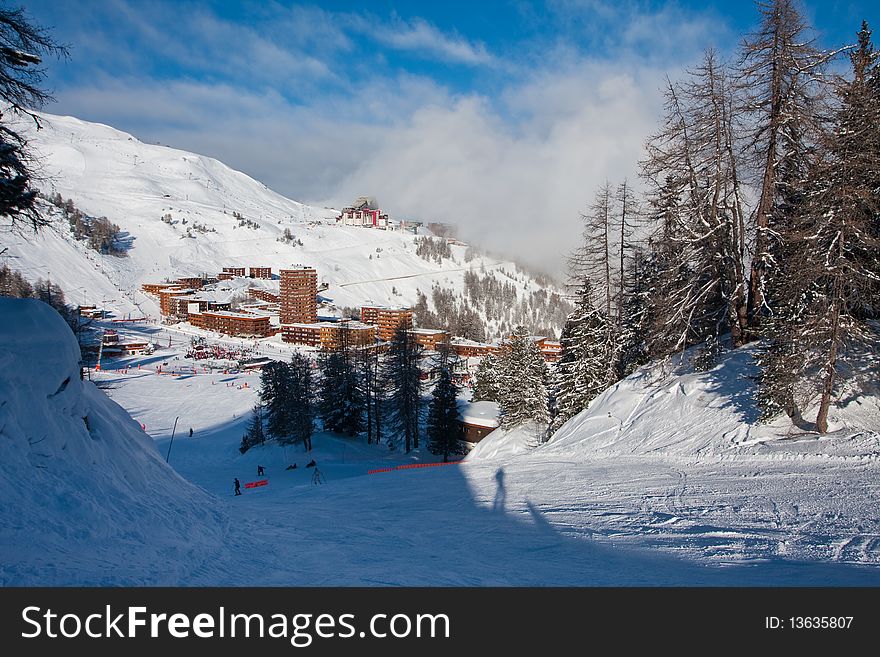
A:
{"x": 401, "y": 376}
{"x": 443, "y": 426}
{"x": 341, "y": 404}
{"x": 275, "y": 384}
{"x": 523, "y": 376}
{"x": 830, "y": 274}
{"x": 255, "y": 434}
{"x": 583, "y": 368}
{"x": 22, "y": 45}
{"x": 367, "y": 364}
{"x": 486, "y": 383}
{"x": 300, "y": 396}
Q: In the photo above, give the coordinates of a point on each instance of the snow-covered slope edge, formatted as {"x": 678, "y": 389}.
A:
{"x": 674, "y": 411}
{"x": 83, "y": 488}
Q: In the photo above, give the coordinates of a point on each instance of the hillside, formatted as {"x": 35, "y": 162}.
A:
{"x": 108, "y": 173}
{"x": 668, "y": 409}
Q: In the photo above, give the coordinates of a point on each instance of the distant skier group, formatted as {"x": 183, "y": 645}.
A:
{"x": 317, "y": 475}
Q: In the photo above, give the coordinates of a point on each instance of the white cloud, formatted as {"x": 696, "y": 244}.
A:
{"x": 420, "y": 37}
{"x": 514, "y": 169}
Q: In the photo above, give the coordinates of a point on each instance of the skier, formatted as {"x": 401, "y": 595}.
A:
{"x": 260, "y": 470}
{"x": 237, "y": 487}
{"x": 190, "y": 432}
{"x": 317, "y": 477}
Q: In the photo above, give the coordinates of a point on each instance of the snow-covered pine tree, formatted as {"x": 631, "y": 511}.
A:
{"x": 443, "y": 427}
{"x": 522, "y": 379}
{"x": 583, "y": 369}
{"x": 830, "y": 274}
{"x": 340, "y": 399}
{"x": 486, "y": 384}
{"x": 401, "y": 376}
{"x": 275, "y": 380}
{"x": 300, "y": 399}
{"x": 367, "y": 365}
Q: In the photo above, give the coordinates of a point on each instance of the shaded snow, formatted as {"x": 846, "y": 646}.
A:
{"x": 84, "y": 489}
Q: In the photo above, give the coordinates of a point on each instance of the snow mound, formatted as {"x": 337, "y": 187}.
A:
{"x": 84, "y": 490}
{"x": 506, "y": 443}
{"x": 687, "y": 413}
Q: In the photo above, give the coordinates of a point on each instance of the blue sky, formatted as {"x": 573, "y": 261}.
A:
{"x": 494, "y": 114}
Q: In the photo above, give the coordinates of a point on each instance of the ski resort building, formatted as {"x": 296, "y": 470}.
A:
{"x": 264, "y": 295}
{"x": 329, "y": 335}
{"x": 429, "y": 338}
{"x": 365, "y": 213}
{"x": 551, "y": 350}
{"x": 387, "y": 319}
{"x": 478, "y": 420}
{"x": 234, "y": 271}
{"x": 471, "y": 349}
{"x": 229, "y": 323}
{"x": 166, "y": 295}
{"x": 194, "y": 282}
{"x": 259, "y": 272}
{"x": 154, "y": 288}
{"x": 299, "y": 288}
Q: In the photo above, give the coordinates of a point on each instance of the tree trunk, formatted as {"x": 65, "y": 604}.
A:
{"x": 768, "y": 186}
{"x": 830, "y": 366}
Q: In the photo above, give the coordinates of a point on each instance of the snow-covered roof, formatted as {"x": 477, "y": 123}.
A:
{"x": 480, "y": 414}
{"x": 427, "y": 331}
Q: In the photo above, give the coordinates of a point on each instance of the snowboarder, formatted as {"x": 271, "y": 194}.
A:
{"x": 237, "y": 487}
{"x": 190, "y": 432}
{"x": 260, "y": 470}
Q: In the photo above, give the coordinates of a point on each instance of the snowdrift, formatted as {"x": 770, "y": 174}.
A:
{"x": 84, "y": 490}
{"x": 668, "y": 409}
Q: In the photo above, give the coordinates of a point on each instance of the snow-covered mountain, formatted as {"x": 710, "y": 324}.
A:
{"x": 218, "y": 217}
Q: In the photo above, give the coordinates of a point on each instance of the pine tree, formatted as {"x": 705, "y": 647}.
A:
{"x": 275, "y": 385}
{"x": 255, "y": 434}
{"x": 300, "y": 400}
{"x": 401, "y": 375}
{"x": 341, "y": 404}
{"x": 486, "y": 384}
{"x": 592, "y": 260}
{"x": 780, "y": 75}
{"x": 583, "y": 369}
{"x": 443, "y": 426}
{"x": 523, "y": 377}
{"x": 22, "y": 45}
{"x": 697, "y": 245}
{"x": 830, "y": 274}
{"x": 367, "y": 364}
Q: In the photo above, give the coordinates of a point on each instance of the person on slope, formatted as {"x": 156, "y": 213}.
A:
{"x": 237, "y": 487}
